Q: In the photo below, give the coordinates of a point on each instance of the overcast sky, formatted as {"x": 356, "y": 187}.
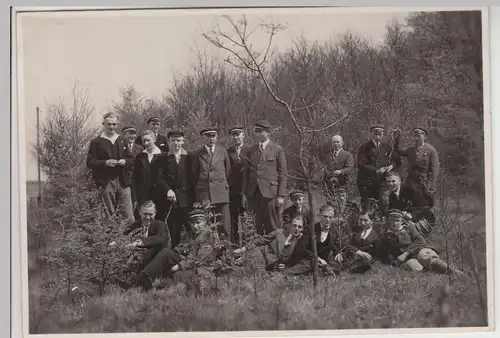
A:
{"x": 105, "y": 51}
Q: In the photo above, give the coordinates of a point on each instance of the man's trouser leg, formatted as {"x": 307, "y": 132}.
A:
{"x": 235, "y": 211}
{"x": 108, "y": 195}
{"x": 161, "y": 263}
{"x": 225, "y": 218}
{"x": 301, "y": 268}
{"x": 175, "y": 221}
{"x": 124, "y": 204}
{"x": 255, "y": 205}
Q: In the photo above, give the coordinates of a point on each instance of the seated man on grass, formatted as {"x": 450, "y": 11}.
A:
{"x": 364, "y": 244}
{"x": 298, "y": 208}
{"x": 152, "y": 246}
{"x": 403, "y": 245}
{"x": 412, "y": 202}
{"x": 282, "y": 250}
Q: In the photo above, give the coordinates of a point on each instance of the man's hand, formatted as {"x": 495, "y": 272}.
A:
{"x": 406, "y": 215}
{"x": 136, "y": 244}
{"x": 244, "y": 202}
{"x": 111, "y": 163}
{"x": 381, "y": 170}
{"x": 396, "y": 133}
{"x": 280, "y": 201}
{"x": 175, "y": 268}
{"x": 339, "y": 258}
{"x": 121, "y": 162}
{"x": 112, "y": 243}
{"x": 389, "y": 168}
{"x": 337, "y": 172}
{"x": 280, "y": 267}
{"x": 322, "y": 262}
{"x": 403, "y": 256}
{"x": 171, "y": 195}
{"x": 364, "y": 255}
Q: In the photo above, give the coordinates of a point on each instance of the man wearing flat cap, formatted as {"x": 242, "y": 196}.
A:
{"x": 298, "y": 208}
{"x": 423, "y": 163}
{"x": 235, "y": 179}
{"x": 129, "y": 134}
{"x": 171, "y": 187}
{"x": 375, "y": 158}
{"x": 264, "y": 180}
{"x": 160, "y": 140}
{"x": 210, "y": 168}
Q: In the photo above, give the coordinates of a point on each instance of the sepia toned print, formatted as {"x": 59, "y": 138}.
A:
{"x": 251, "y": 171}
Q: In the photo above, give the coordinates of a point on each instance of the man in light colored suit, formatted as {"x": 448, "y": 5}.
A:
{"x": 210, "y": 167}
{"x": 264, "y": 180}
{"x": 339, "y": 167}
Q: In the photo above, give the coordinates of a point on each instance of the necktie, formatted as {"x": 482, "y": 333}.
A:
{"x": 130, "y": 147}
{"x": 261, "y": 147}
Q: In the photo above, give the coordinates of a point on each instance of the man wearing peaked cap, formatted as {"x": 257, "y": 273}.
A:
{"x": 210, "y": 168}
{"x": 375, "y": 158}
{"x": 129, "y": 134}
{"x": 264, "y": 180}
{"x": 236, "y": 154}
{"x": 161, "y": 141}
{"x": 423, "y": 163}
{"x": 297, "y": 208}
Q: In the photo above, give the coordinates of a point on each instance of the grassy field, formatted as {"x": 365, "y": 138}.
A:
{"x": 385, "y": 297}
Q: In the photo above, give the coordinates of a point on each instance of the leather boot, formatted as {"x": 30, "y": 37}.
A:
{"x": 440, "y": 266}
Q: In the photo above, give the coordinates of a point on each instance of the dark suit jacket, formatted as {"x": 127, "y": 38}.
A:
{"x": 267, "y": 171}
{"x": 371, "y": 244}
{"x": 336, "y": 242}
{"x": 141, "y": 178}
{"x": 209, "y": 175}
{"x": 99, "y": 153}
{"x": 161, "y": 142}
{"x": 235, "y": 178}
{"x": 290, "y": 212}
{"x": 158, "y": 234}
{"x": 409, "y": 198}
{"x": 371, "y": 158}
{"x": 130, "y": 161}
{"x": 344, "y": 161}
{"x": 167, "y": 175}
{"x": 273, "y": 248}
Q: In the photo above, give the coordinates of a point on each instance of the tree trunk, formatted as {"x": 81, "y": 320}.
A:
{"x": 312, "y": 208}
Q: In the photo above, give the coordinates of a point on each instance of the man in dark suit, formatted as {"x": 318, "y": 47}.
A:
{"x": 153, "y": 240}
{"x": 171, "y": 188}
{"x": 339, "y": 167}
{"x": 160, "y": 140}
{"x": 129, "y": 134}
{"x": 235, "y": 179}
{"x": 141, "y": 178}
{"x": 297, "y": 208}
{"x": 106, "y": 160}
{"x": 264, "y": 180}
{"x": 412, "y": 203}
{"x": 375, "y": 158}
{"x": 210, "y": 168}
{"x": 364, "y": 245}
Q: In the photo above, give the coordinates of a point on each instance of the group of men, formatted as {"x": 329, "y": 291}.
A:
{"x": 152, "y": 179}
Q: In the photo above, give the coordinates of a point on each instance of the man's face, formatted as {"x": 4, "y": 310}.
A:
{"x": 296, "y": 227}
{"x": 262, "y": 135}
{"x": 298, "y": 201}
{"x": 148, "y": 141}
{"x": 377, "y": 135}
{"x": 393, "y": 182}
{"x": 364, "y": 222}
{"x": 326, "y": 217}
{"x": 210, "y": 139}
{"x": 341, "y": 197}
{"x": 337, "y": 142}
{"x": 418, "y": 137}
{"x": 130, "y": 136}
{"x": 176, "y": 142}
{"x": 147, "y": 215}
{"x": 110, "y": 124}
{"x": 394, "y": 222}
{"x": 238, "y": 137}
{"x": 198, "y": 224}
{"x": 154, "y": 126}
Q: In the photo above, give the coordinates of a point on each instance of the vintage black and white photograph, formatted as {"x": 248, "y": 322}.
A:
{"x": 254, "y": 169}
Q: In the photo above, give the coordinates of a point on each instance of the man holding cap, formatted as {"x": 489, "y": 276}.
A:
{"x": 171, "y": 189}
{"x": 160, "y": 140}
{"x": 264, "y": 180}
{"x": 236, "y": 152}
{"x": 423, "y": 163}
{"x": 210, "y": 168}
{"x": 375, "y": 158}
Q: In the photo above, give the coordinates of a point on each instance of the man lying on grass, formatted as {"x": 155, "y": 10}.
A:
{"x": 403, "y": 245}
{"x": 281, "y": 250}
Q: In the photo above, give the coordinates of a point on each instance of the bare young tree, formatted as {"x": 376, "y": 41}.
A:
{"x": 296, "y": 102}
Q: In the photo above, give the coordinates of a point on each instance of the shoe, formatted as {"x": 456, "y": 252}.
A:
{"x": 144, "y": 281}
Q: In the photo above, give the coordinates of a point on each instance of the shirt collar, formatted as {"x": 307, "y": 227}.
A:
{"x": 181, "y": 152}
{"x": 156, "y": 151}
{"x": 212, "y": 148}
{"x": 375, "y": 142}
{"x": 112, "y": 138}
{"x": 366, "y": 232}
{"x": 264, "y": 144}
